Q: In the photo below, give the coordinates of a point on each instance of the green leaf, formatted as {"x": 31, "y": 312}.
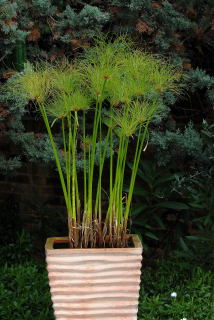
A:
{"x": 139, "y": 208}
{"x": 148, "y": 167}
{"x": 140, "y": 223}
{"x": 151, "y": 235}
{"x": 148, "y": 180}
{"x": 193, "y": 238}
{"x": 173, "y": 205}
{"x": 140, "y": 173}
{"x": 196, "y": 205}
{"x": 183, "y": 245}
{"x": 159, "y": 221}
{"x": 139, "y": 191}
{"x": 164, "y": 179}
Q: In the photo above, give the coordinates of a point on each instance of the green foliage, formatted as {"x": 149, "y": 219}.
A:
{"x": 194, "y": 184}
{"x": 9, "y": 165}
{"x": 20, "y": 55}
{"x": 87, "y": 23}
{"x": 43, "y": 8}
{"x": 194, "y": 288}
{"x": 207, "y": 134}
{"x": 10, "y": 32}
{"x": 197, "y": 248}
{"x": 183, "y": 32}
{"x": 133, "y": 5}
{"x": 192, "y": 148}
{"x": 24, "y": 292}
{"x": 30, "y": 21}
{"x": 197, "y": 244}
{"x": 177, "y": 145}
{"x": 17, "y": 249}
{"x": 198, "y": 79}
{"x": 35, "y": 147}
{"x": 157, "y": 210}
{"x": 171, "y": 210}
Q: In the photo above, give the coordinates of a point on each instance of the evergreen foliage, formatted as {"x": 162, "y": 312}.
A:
{"x": 9, "y": 165}
{"x": 87, "y": 23}
{"x": 171, "y": 146}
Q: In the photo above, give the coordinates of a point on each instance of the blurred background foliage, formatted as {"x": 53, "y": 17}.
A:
{"x": 174, "y": 199}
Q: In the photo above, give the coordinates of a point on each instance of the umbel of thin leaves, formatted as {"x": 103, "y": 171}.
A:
{"x": 130, "y": 84}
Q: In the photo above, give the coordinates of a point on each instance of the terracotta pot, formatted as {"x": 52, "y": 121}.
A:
{"x": 94, "y": 284}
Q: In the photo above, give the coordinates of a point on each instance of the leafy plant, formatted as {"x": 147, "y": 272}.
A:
{"x": 157, "y": 210}
{"x": 17, "y": 250}
{"x": 186, "y": 146}
{"x": 197, "y": 245}
{"x": 192, "y": 287}
{"x": 129, "y": 82}
{"x": 24, "y": 292}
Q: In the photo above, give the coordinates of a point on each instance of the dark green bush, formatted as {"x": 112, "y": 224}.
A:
{"x": 24, "y": 292}
{"x": 193, "y": 285}
{"x": 17, "y": 249}
{"x": 174, "y": 193}
{"x": 157, "y": 210}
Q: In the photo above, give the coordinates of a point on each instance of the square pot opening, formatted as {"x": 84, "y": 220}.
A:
{"x": 55, "y": 243}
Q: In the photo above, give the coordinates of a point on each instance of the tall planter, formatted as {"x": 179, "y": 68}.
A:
{"x": 94, "y": 283}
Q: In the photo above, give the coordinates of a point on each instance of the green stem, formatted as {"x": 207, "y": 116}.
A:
{"x": 70, "y": 138}
{"x": 98, "y": 194}
{"x": 100, "y": 164}
{"x": 55, "y": 152}
{"x": 65, "y": 151}
{"x": 111, "y": 155}
{"x": 138, "y": 152}
{"x": 76, "y": 177}
{"x": 93, "y": 149}
{"x": 111, "y": 164}
{"x": 74, "y": 173}
{"x": 117, "y": 200}
{"x": 92, "y": 159}
{"x": 120, "y": 187}
{"x": 85, "y": 168}
{"x": 114, "y": 196}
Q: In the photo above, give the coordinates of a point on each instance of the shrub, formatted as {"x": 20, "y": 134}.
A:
{"x": 193, "y": 286}
{"x": 24, "y": 292}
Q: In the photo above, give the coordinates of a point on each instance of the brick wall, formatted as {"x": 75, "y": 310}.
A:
{"x": 36, "y": 190}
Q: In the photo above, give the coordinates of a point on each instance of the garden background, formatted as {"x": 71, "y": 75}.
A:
{"x": 173, "y": 208}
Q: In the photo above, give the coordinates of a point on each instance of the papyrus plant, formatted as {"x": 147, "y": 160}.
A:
{"x": 117, "y": 88}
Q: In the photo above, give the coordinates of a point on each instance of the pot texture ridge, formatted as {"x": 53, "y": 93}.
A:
{"x": 94, "y": 283}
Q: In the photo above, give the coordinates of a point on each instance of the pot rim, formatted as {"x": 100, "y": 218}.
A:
{"x": 49, "y": 246}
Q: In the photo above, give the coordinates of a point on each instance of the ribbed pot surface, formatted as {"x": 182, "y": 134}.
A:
{"x": 94, "y": 284}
